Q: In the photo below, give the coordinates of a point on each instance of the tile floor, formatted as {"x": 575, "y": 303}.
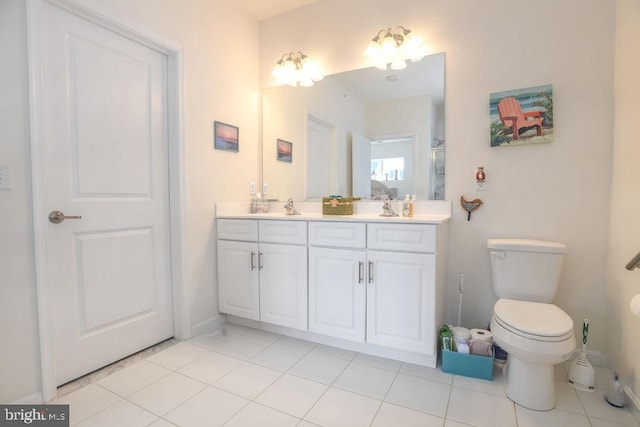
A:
{"x": 248, "y": 378}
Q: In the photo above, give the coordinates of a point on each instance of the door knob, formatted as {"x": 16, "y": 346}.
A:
{"x": 57, "y": 217}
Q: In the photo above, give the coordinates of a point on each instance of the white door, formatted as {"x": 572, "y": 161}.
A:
{"x": 361, "y": 165}
{"x": 337, "y": 293}
{"x": 400, "y": 300}
{"x": 238, "y": 286}
{"x": 105, "y": 159}
{"x": 283, "y": 285}
{"x": 318, "y": 159}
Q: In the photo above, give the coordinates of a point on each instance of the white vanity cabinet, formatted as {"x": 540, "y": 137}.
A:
{"x": 337, "y": 279}
{"x": 376, "y": 286}
{"x": 262, "y": 270}
{"x": 369, "y": 285}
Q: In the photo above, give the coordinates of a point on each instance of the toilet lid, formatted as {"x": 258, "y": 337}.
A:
{"x": 543, "y": 322}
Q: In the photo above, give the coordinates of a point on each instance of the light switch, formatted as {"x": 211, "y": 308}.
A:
{"x": 5, "y": 177}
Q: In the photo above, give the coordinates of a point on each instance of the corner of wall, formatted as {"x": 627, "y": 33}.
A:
{"x": 209, "y": 325}
{"x": 634, "y": 403}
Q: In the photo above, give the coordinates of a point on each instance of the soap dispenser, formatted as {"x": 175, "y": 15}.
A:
{"x": 412, "y": 205}
{"x": 405, "y": 205}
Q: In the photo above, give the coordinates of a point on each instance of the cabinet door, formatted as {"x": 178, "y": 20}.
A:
{"x": 337, "y": 293}
{"x": 400, "y": 300}
{"x": 238, "y": 292}
{"x": 283, "y": 285}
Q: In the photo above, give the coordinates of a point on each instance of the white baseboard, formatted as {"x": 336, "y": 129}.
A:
{"x": 634, "y": 403}
{"x": 33, "y": 399}
{"x": 208, "y": 325}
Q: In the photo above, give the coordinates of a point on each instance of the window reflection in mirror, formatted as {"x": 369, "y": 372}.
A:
{"x": 392, "y": 168}
{"x": 344, "y": 123}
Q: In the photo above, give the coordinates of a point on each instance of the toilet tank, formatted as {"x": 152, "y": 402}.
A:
{"x": 525, "y": 269}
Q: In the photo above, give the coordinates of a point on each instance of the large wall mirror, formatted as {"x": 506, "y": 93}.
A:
{"x": 369, "y": 133}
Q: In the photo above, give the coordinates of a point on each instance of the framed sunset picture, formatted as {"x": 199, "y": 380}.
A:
{"x": 225, "y": 136}
{"x": 284, "y": 151}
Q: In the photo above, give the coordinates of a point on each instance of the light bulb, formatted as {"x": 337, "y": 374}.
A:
{"x": 398, "y": 64}
{"x": 375, "y": 54}
{"x": 388, "y": 46}
{"x": 288, "y": 73}
{"x": 276, "y": 72}
{"x": 310, "y": 70}
{"x": 372, "y": 50}
{"x": 414, "y": 48}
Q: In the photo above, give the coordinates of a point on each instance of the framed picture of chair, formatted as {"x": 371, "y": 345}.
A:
{"x": 521, "y": 116}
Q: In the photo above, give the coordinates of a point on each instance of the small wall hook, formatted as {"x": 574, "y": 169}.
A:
{"x": 470, "y": 206}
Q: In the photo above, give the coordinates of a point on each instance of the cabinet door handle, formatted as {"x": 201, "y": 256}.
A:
{"x": 360, "y": 271}
{"x": 253, "y": 263}
{"x": 260, "y": 265}
{"x": 370, "y": 271}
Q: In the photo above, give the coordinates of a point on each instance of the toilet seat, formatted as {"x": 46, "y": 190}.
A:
{"x": 533, "y": 320}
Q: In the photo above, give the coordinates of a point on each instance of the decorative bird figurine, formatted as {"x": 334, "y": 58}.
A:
{"x": 470, "y": 206}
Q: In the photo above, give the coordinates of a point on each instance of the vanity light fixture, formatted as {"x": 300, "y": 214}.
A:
{"x": 394, "y": 48}
{"x": 296, "y": 69}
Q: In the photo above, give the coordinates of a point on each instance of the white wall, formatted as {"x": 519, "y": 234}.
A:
{"x": 557, "y": 191}
{"x": 623, "y": 347}
{"x": 215, "y": 38}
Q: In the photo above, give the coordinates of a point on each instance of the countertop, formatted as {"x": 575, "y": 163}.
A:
{"x": 428, "y": 212}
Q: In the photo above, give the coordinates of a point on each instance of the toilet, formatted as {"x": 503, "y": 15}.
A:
{"x": 537, "y": 334}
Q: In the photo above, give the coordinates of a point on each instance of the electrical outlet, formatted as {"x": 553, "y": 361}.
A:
{"x": 252, "y": 188}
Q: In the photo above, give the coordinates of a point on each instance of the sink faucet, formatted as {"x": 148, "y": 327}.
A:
{"x": 290, "y": 209}
{"x": 387, "y": 210}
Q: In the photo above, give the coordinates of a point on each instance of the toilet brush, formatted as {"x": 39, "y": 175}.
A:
{"x": 460, "y": 292}
{"x": 582, "y": 375}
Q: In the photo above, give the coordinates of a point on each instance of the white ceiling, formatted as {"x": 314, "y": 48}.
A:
{"x": 263, "y": 9}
